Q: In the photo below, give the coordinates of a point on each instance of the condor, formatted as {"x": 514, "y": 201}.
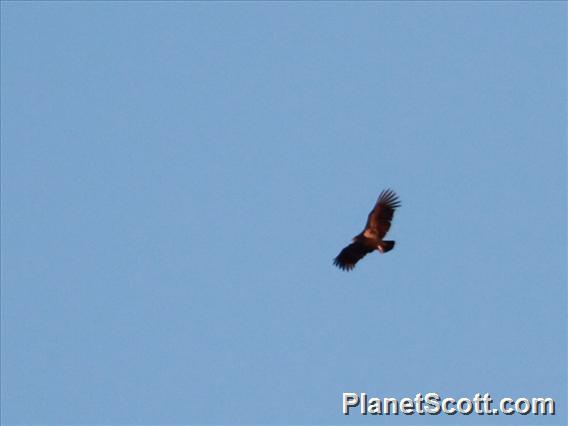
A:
{"x": 371, "y": 239}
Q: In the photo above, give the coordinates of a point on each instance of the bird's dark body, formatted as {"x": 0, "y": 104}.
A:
{"x": 371, "y": 239}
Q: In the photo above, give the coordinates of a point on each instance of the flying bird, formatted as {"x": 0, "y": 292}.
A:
{"x": 371, "y": 239}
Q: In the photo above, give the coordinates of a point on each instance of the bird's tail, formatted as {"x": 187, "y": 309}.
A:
{"x": 385, "y": 246}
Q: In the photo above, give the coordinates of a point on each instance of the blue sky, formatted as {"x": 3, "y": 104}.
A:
{"x": 177, "y": 178}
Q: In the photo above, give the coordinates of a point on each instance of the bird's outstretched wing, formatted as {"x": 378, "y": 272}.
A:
{"x": 380, "y": 218}
{"x": 350, "y": 255}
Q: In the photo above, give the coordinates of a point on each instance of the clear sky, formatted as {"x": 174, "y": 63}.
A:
{"x": 177, "y": 178}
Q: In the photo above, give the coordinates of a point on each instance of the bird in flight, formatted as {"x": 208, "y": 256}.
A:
{"x": 371, "y": 239}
